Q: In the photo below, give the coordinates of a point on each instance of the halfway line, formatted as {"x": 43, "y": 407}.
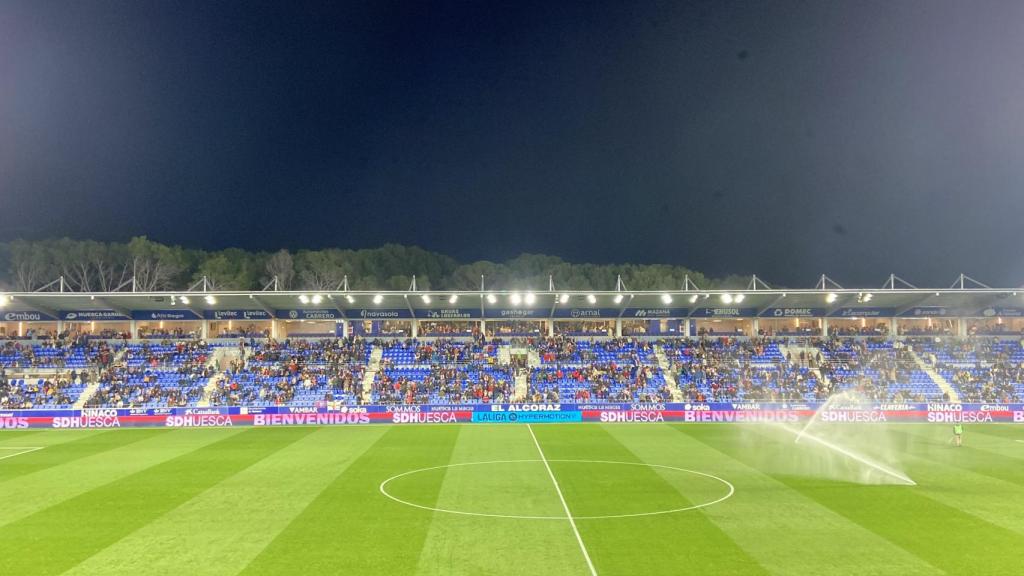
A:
{"x": 562, "y": 498}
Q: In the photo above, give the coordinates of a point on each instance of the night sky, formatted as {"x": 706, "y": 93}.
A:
{"x": 782, "y": 138}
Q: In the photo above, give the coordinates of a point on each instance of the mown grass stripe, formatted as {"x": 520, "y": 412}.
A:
{"x": 350, "y": 527}
{"x": 775, "y": 525}
{"x": 66, "y": 452}
{"x": 30, "y": 493}
{"x": 266, "y": 495}
{"x": 951, "y": 540}
{"x": 58, "y": 538}
{"x": 454, "y": 545}
{"x": 667, "y": 544}
{"x": 7, "y": 436}
{"x": 931, "y": 444}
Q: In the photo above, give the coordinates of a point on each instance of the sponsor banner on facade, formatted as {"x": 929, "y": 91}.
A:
{"x": 928, "y": 311}
{"x": 1002, "y": 311}
{"x": 378, "y": 313}
{"x": 91, "y": 315}
{"x": 584, "y": 313}
{"x": 517, "y": 313}
{"x": 793, "y": 313}
{"x": 448, "y": 313}
{"x": 862, "y": 312}
{"x": 179, "y": 314}
{"x": 237, "y": 315}
{"x": 655, "y": 313}
{"x": 311, "y": 314}
{"x": 25, "y": 316}
{"x": 724, "y": 313}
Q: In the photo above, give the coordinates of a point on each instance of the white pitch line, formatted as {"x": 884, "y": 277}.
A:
{"x": 558, "y": 489}
{"x": 24, "y": 450}
{"x": 1021, "y": 441}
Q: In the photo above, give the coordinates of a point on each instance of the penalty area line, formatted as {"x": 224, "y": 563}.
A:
{"x": 572, "y": 522}
{"x": 23, "y": 450}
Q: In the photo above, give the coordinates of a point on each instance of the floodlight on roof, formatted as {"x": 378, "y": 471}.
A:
{"x": 530, "y": 298}
{"x": 666, "y": 298}
{"x": 3, "y": 300}
{"x": 693, "y": 299}
{"x": 618, "y": 298}
{"x": 563, "y": 298}
{"x": 316, "y": 299}
{"x": 832, "y": 296}
{"x": 425, "y": 298}
{"x": 453, "y": 298}
{"x": 350, "y": 299}
{"x": 515, "y": 298}
{"x": 491, "y": 299}
{"x": 184, "y": 299}
{"x": 591, "y": 299}
{"x": 377, "y": 299}
{"x": 210, "y": 299}
{"x": 726, "y": 298}
{"x": 738, "y": 298}
{"x": 303, "y": 298}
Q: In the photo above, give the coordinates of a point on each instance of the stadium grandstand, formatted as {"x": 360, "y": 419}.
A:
{"x": 349, "y": 348}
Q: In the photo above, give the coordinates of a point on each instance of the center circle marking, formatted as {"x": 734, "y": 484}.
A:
{"x": 384, "y": 491}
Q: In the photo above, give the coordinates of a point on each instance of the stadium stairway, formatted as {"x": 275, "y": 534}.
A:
{"x": 372, "y": 367}
{"x": 932, "y": 373}
{"x": 91, "y": 389}
{"x": 670, "y": 378}
{"x": 86, "y": 394}
{"x": 522, "y": 389}
{"x": 220, "y": 360}
{"x": 793, "y": 353}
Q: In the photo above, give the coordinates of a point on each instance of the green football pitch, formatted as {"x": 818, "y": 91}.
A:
{"x": 500, "y": 499}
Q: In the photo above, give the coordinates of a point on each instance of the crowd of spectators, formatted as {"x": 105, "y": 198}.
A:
{"x": 169, "y": 373}
{"x": 732, "y": 369}
{"x": 591, "y": 382}
{"x": 874, "y": 369}
{"x": 281, "y": 372}
{"x": 451, "y": 384}
{"x": 26, "y": 393}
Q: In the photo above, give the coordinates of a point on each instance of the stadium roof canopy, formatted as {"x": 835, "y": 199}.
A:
{"x": 764, "y": 302}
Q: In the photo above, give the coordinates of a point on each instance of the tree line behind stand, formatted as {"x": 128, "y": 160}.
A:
{"x": 91, "y": 266}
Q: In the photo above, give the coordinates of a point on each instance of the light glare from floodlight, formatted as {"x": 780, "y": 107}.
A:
{"x": 666, "y": 299}
{"x": 563, "y": 298}
{"x": 184, "y": 299}
{"x": 618, "y": 298}
{"x": 693, "y": 299}
{"x": 426, "y": 298}
{"x": 350, "y": 299}
{"x": 727, "y": 298}
{"x": 530, "y": 298}
{"x": 515, "y": 299}
{"x": 831, "y": 297}
{"x": 591, "y": 299}
{"x": 316, "y": 299}
{"x": 210, "y": 299}
{"x": 377, "y": 299}
{"x": 453, "y": 299}
{"x": 739, "y": 298}
{"x": 303, "y": 298}
{"x": 491, "y": 299}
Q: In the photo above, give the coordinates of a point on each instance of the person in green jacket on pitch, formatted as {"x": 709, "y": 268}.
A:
{"x": 958, "y": 433}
